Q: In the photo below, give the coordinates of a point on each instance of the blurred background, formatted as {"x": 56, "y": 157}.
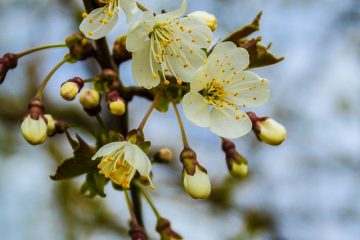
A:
{"x": 307, "y": 188}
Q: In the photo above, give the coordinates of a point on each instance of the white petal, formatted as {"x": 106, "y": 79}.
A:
{"x": 192, "y": 32}
{"x": 184, "y": 62}
{"x": 172, "y": 14}
{"x": 229, "y": 123}
{"x": 247, "y": 89}
{"x": 34, "y": 131}
{"x": 198, "y": 186}
{"x": 227, "y": 58}
{"x": 137, "y": 159}
{"x": 108, "y": 149}
{"x": 130, "y": 8}
{"x": 141, "y": 68}
{"x": 200, "y": 79}
{"x": 139, "y": 32}
{"x": 196, "y": 109}
{"x": 99, "y": 22}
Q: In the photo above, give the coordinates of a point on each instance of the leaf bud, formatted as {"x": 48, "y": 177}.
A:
{"x": 267, "y": 129}
{"x": 115, "y": 103}
{"x": 80, "y": 47}
{"x": 71, "y": 88}
{"x": 205, "y": 17}
{"x": 136, "y": 232}
{"x": 164, "y": 155}
{"x": 7, "y": 62}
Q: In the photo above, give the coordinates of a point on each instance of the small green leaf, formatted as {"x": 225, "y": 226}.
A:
{"x": 145, "y": 146}
{"x": 169, "y": 93}
{"x": 94, "y": 185}
{"x": 79, "y": 164}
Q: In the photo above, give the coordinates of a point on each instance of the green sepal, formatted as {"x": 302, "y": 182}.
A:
{"x": 94, "y": 185}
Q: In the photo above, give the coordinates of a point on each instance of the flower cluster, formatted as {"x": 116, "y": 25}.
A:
{"x": 174, "y": 61}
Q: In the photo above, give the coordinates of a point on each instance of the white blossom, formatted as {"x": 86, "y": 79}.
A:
{"x": 121, "y": 160}
{"x": 220, "y": 88}
{"x": 101, "y": 21}
{"x": 165, "y": 43}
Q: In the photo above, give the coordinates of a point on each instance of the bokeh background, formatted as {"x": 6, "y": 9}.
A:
{"x": 307, "y": 188}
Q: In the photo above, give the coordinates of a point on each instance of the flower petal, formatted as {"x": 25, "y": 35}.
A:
{"x": 172, "y": 14}
{"x": 139, "y": 32}
{"x": 99, "y": 22}
{"x": 34, "y": 131}
{"x": 196, "y": 109}
{"x": 108, "y": 149}
{"x": 229, "y": 123}
{"x": 247, "y": 89}
{"x": 200, "y": 79}
{"x": 130, "y": 8}
{"x": 144, "y": 68}
{"x": 137, "y": 159}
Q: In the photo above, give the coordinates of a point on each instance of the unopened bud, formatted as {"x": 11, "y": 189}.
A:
{"x": 268, "y": 130}
{"x": 71, "y": 88}
{"x": 90, "y": 98}
{"x": 34, "y": 127}
{"x": 197, "y": 185}
{"x": 163, "y": 227}
{"x": 164, "y": 155}
{"x": 80, "y": 47}
{"x": 236, "y": 163}
{"x": 115, "y": 103}
{"x": 120, "y": 54}
{"x": 207, "y": 18}
{"x": 51, "y": 124}
{"x": 135, "y": 136}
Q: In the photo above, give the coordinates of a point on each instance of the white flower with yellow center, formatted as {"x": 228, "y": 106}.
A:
{"x": 165, "y": 43}
{"x": 121, "y": 160}
{"x": 102, "y": 20}
{"x": 220, "y": 87}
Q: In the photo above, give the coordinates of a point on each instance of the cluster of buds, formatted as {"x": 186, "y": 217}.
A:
{"x": 115, "y": 103}
{"x": 71, "y": 88}
{"x": 267, "y": 129}
{"x": 79, "y": 46}
{"x": 195, "y": 179}
{"x": 236, "y": 163}
{"x": 7, "y": 62}
{"x": 163, "y": 227}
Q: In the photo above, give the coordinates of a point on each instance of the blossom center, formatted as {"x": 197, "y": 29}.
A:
{"x": 215, "y": 94}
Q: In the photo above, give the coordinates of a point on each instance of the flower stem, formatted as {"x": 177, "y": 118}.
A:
{"x": 148, "y": 199}
{"x": 141, "y": 7}
{"x": 47, "y": 78}
{"x": 182, "y": 129}
{"x": 148, "y": 113}
{"x": 130, "y": 207}
{"x": 101, "y": 122}
{"x": 39, "y": 48}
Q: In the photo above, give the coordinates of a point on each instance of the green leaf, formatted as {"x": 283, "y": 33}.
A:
{"x": 245, "y": 31}
{"x": 169, "y": 93}
{"x": 94, "y": 185}
{"x": 260, "y": 55}
{"x": 79, "y": 164}
{"x": 145, "y": 146}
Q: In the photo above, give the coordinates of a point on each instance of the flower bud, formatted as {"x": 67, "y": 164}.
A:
{"x": 115, "y": 103}
{"x": 80, "y": 47}
{"x": 51, "y": 124}
{"x": 207, "y": 18}
{"x": 120, "y": 54}
{"x": 34, "y": 126}
{"x": 195, "y": 178}
{"x": 71, "y": 88}
{"x": 90, "y": 98}
{"x": 236, "y": 163}
{"x": 164, "y": 155}
{"x": 163, "y": 227}
{"x": 268, "y": 130}
{"x": 197, "y": 185}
